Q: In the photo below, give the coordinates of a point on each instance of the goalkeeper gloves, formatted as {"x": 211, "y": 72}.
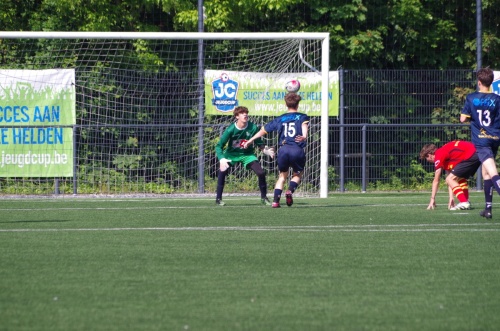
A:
{"x": 269, "y": 151}
{"x": 224, "y": 164}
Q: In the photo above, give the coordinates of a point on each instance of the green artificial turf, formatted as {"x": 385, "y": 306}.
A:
{"x": 348, "y": 262}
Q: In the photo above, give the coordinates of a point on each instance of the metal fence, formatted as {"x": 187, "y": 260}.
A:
{"x": 386, "y": 156}
{"x": 386, "y": 116}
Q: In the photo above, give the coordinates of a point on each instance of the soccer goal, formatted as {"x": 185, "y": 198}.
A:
{"x": 141, "y": 113}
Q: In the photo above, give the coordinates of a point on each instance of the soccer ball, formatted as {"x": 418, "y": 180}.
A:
{"x": 292, "y": 86}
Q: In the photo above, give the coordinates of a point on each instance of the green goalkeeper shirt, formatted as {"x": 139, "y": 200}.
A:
{"x": 233, "y": 137}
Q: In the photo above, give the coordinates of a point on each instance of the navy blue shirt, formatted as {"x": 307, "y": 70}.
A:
{"x": 289, "y": 126}
{"x": 483, "y": 110}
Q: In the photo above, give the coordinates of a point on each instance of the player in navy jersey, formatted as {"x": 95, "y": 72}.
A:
{"x": 482, "y": 109}
{"x": 292, "y": 129}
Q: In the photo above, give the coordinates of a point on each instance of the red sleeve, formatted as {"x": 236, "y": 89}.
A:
{"x": 439, "y": 158}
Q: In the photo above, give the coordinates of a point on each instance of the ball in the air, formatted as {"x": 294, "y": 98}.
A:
{"x": 292, "y": 86}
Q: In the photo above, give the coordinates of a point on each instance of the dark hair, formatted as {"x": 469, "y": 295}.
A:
{"x": 485, "y": 76}
{"x": 426, "y": 150}
{"x": 292, "y": 100}
{"x": 240, "y": 109}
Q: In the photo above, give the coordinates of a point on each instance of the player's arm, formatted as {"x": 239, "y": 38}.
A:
{"x": 219, "y": 150}
{"x": 435, "y": 187}
{"x": 451, "y": 197}
{"x": 465, "y": 113}
{"x": 259, "y": 143}
{"x": 269, "y": 151}
{"x": 259, "y": 134}
{"x": 305, "y": 128}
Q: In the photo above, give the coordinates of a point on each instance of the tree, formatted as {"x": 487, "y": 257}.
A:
{"x": 389, "y": 34}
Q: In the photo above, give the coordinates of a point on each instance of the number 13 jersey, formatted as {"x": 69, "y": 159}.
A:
{"x": 483, "y": 110}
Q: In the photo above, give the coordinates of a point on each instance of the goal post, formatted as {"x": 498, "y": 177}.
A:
{"x": 145, "y": 121}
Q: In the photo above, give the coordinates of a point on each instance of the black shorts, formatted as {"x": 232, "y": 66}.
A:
{"x": 467, "y": 168}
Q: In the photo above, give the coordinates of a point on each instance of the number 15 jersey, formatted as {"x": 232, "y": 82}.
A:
{"x": 483, "y": 110}
{"x": 288, "y": 126}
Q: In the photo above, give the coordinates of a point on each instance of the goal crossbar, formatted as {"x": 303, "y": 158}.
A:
{"x": 166, "y": 35}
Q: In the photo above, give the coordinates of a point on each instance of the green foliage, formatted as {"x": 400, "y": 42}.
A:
{"x": 101, "y": 176}
{"x": 146, "y": 56}
{"x": 396, "y": 34}
{"x": 451, "y": 115}
{"x": 418, "y": 176}
{"x": 408, "y": 34}
{"x": 27, "y": 186}
{"x": 332, "y": 179}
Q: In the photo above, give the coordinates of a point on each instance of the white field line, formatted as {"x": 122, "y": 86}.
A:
{"x": 209, "y": 207}
{"x": 472, "y": 227}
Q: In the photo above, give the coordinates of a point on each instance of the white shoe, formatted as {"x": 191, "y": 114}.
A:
{"x": 461, "y": 206}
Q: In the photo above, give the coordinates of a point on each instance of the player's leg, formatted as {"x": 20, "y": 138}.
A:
{"x": 457, "y": 180}
{"x": 490, "y": 168}
{"x": 295, "y": 181}
{"x": 298, "y": 162}
{"x": 453, "y": 182}
{"x": 490, "y": 176}
{"x": 487, "y": 157}
{"x": 278, "y": 188}
{"x": 292, "y": 186}
{"x": 221, "y": 181}
{"x": 488, "y": 194}
{"x": 261, "y": 175}
{"x": 464, "y": 185}
{"x": 283, "y": 167}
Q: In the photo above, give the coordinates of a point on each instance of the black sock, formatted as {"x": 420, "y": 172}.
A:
{"x": 277, "y": 195}
{"x": 496, "y": 183}
{"x": 293, "y": 186}
{"x": 488, "y": 193}
{"x": 221, "y": 181}
{"x": 263, "y": 186}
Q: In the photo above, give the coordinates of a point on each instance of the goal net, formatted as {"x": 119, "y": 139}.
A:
{"x": 145, "y": 120}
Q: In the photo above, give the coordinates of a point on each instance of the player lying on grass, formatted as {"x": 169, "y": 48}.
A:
{"x": 460, "y": 161}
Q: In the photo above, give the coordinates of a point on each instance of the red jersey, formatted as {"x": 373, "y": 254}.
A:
{"x": 452, "y": 153}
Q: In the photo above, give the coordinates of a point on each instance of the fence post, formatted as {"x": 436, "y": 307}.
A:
{"x": 363, "y": 160}
{"x": 342, "y": 130}
{"x": 56, "y": 186}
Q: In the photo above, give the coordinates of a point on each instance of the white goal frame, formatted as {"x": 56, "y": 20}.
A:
{"x": 322, "y": 37}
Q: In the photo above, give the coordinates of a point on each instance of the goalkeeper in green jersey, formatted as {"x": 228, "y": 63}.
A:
{"x": 230, "y": 151}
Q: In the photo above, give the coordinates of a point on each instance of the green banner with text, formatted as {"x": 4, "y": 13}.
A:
{"x": 263, "y": 93}
{"x": 37, "y": 114}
